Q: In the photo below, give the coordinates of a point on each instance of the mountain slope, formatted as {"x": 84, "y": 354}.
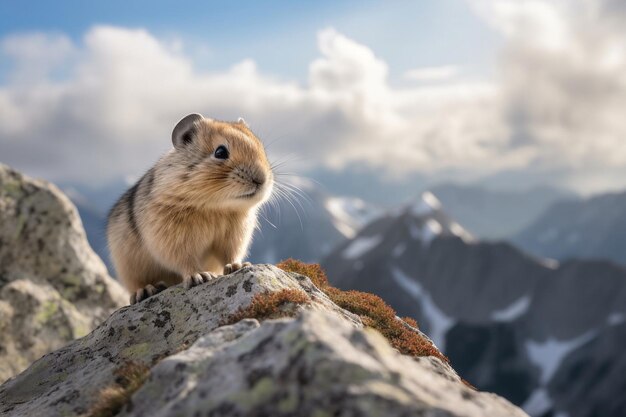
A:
{"x": 592, "y": 228}
{"x": 509, "y": 322}
{"x": 308, "y": 225}
{"x": 490, "y": 214}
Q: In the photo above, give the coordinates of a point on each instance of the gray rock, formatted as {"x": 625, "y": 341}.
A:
{"x": 316, "y": 365}
{"x": 143, "y": 332}
{"x": 53, "y": 287}
{"x": 320, "y": 363}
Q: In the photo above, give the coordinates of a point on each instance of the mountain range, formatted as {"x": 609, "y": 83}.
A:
{"x": 545, "y": 335}
{"x": 497, "y": 214}
{"x": 524, "y": 326}
{"x": 307, "y": 224}
{"x": 593, "y": 228}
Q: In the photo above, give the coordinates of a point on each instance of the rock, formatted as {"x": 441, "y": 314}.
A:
{"x": 53, "y": 287}
{"x": 314, "y": 365}
{"x": 320, "y": 362}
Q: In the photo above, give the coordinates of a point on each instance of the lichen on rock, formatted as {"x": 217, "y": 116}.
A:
{"x": 53, "y": 287}
{"x": 316, "y": 364}
{"x": 322, "y": 360}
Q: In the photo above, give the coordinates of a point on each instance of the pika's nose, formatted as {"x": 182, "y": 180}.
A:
{"x": 258, "y": 179}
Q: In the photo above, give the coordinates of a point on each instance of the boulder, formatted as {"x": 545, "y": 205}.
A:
{"x": 53, "y": 287}
{"x": 183, "y": 354}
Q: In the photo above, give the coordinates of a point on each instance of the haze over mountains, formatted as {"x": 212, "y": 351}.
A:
{"x": 308, "y": 225}
{"x": 496, "y": 214}
{"x": 546, "y": 222}
{"x": 594, "y": 228}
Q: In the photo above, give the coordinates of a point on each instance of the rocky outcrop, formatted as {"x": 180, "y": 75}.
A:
{"x": 53, "y": 287}
{"x": 321, "y": 361}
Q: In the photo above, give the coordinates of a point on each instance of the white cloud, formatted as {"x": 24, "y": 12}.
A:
{"x": 36, "y": 55}
{"x": 105, "y": 107}
{"x": 112, "y": 113}
{"x": 563, "y": 83}
{"x": 432, "y": 73}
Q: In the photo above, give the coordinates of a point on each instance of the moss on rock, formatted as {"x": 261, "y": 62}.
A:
{"x": 271, "y": 305}
{"x": 374, "y": 312}
{"x": 128, "y": 379}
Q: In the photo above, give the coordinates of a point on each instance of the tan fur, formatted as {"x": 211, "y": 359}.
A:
{"x": 188, "y": 212}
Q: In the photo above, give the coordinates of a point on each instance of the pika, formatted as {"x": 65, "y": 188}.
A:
{"x": 192, "y": 215}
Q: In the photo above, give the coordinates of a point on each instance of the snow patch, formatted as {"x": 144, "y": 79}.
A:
{"x": 349, "y": 215}
{"x": 549, "y": 263}
{"x": 616, "y": 319}
{"x": 426, "y": 205}
{"x": 345, "y": 229}
{"x": 439, "y": 323}
{"x": 459, "y": 231}
{"x": 429, "y": 230}
{"x": 360, "y": 246}
{"x": 513, "y": 311}
{"x": 538, "y": 403}
{"x": 549, "y": 354}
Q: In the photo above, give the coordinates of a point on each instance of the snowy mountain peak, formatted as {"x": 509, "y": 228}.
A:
{"x": 426, "y": 204}
{"x": 349, "y": 214}
{"x": 426, "y": 219}
{"x": 459, "y": 231}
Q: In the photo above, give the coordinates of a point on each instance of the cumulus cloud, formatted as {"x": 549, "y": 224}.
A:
{"x": 111, "y": 114}
{"x": 432, "y": 73}
{"x": 562, "y": 81}
{"x": 104, "y": 107}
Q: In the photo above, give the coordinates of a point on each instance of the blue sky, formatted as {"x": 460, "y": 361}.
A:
{"x": 280, "y": 35}
{"x": 510, "y": 92}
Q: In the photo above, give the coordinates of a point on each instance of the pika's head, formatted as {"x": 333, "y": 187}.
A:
{"x": 226, "y": 164}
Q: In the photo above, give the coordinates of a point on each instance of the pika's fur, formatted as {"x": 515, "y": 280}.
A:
{"x": 192, "y": 215}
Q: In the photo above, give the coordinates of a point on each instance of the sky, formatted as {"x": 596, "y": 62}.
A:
{"x": 513, "y": 93}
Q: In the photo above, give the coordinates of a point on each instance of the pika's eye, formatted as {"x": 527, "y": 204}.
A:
{"x": 221, "y": 152}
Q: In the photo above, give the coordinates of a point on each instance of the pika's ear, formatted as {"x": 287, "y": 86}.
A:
{"x": 183, "y": 132}
{"x": 242, "y": 122}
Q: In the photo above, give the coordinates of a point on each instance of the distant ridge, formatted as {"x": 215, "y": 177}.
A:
{"x": 530, "y": 329}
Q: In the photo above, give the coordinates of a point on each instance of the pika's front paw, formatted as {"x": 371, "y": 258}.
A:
{"x": 146, "y": 292}
{"x": 197, "y": 279}
{"x": 235, "y": 266}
